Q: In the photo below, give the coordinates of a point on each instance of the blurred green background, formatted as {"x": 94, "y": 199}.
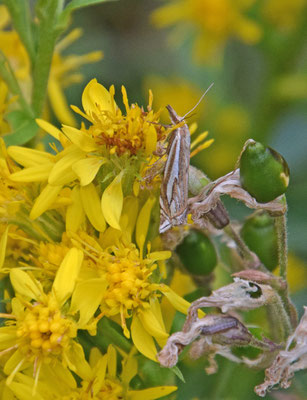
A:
{"x": 260, "y": 92}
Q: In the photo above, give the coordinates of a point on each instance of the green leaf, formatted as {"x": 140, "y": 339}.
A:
{"x": 74, "y": 5}
{"x": 177, "y": 372}
{"x": 23, "y": 126}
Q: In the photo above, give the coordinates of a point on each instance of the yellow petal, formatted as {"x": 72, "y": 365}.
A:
{"x": 150, "y": 140}
{"x": 100, "y": 371}
{"x": 10, "y": 366}
{"x": 112, "y": 202}
{"x": 62, "y": 172}
{"x": 160, "y": 255}
{"x": 156, "y": 309}
{"x": 86, "y": 298}
{"x": 96, "y": 98}
{"x": 112, "y": 361}
{"x": 151, "y": 324}
{"x": 39, "y": 173}
{"x": 143, "y": 223}
{"x": 151, "y": 393}
{"x": 24, "y": 285}
{"x": 81, "y": 139}
{"x": 3, "y": 243}
{"x": 129, "y": 368}
{"x": 58, "y": 102}
{"x": 94, "y": 356}
{"x": 44, "y": 200}
{"x": 178, "y": 302}
{"x": 49, "y": 128}
{"x": 129, "y": 215}
{"x": 87, "y": 168}
{"x": 142, "y": 340}
{"x": 75, "y": 213}
{"x": 8, "y": 337}
{"x": 29, "y": 157}
{"x": 77, "y": 362}
{"x": 199, "y": 139}
{"x": 67, "y": 274}
{"x": 92, "y": 207}
{"x": 201, "y": 147}
{"x": 111, "y": 237}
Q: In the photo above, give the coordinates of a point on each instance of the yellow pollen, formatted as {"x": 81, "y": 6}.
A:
{"x": 129, "y": 284}
{"x": 43, "y": 330}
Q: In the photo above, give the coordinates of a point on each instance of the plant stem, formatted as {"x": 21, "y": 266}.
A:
{"x": 8, "y": 76}
{"x": 47, "y": 35}
{"x": 21, "y": 18}
{"x": 282, "y": 245}
{"x": 251, "y": 258}
{"x": 108, "y": 333}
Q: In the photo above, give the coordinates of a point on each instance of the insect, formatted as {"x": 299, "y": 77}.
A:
{"x": 175, "y": 183}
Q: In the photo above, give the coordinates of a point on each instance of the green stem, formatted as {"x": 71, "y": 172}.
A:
{"x": 21, "y": 18}
{"x": 224, "y": 376}
{"x": 282, "y": 318}
{"x": 251, "y": 258}
{"x": 106, "y": 332}
{"x": 47, "y": 35}
{"x": 8, "y": 76}
{"x": 282, "y": 245}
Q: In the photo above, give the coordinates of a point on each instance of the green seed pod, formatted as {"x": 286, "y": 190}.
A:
{"x": 260, "y": 235}
{"x": 264, "y": 173}
{"x": 197, "y": 253}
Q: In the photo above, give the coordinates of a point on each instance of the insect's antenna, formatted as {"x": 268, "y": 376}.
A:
{"x": 196, "y": 105}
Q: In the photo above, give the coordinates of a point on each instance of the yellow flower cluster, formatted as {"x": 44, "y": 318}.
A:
{"x": 212, "y": 21}
{"x": 80, "y": 244}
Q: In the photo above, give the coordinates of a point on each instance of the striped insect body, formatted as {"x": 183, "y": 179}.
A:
{"x": 175, "y": 183}
{"x": 174, "y": 187}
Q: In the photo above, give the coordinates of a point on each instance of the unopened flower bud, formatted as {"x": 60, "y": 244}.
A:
{"x": 260, "y": 236}
{"x": 197, "y": 253}
{"x": 264, "y": 173}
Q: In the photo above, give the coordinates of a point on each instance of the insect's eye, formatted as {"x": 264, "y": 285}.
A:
{"x": 254, "y": 294}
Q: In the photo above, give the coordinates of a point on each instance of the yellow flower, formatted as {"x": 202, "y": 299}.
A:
{"x": 41, "y": 327}
{"x": 179, "y": 93}
{"x": 284, "y": 14}
{"x": 133, "y": 288}
{"x": 64, "y": 69}
{"x": 99, "y": 380}
{"x": 213, "y": 22}
{"x": 108, "y": 148}
{"x": 99, "y": 165}
{"x": 4, "y": 103}
{"x": 121, "y": 134}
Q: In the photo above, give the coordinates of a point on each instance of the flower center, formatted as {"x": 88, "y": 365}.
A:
{"x": 44, "y": 330}
{"x": 129, "y": 285}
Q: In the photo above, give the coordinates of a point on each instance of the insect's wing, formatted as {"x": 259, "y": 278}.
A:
{"x": 174, "y": 188}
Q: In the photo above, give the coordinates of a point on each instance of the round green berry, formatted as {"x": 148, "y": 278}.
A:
{"x": 264, "y": 173}
{"x": 259, "y": 234}
{"x": 197, "y": 253}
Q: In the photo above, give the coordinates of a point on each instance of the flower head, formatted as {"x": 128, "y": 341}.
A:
{"x": 130, "y": 133}
{"x": 214, "y": 21}
{"x": 98, "y": 380}
{"x": 42, "y": 326}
